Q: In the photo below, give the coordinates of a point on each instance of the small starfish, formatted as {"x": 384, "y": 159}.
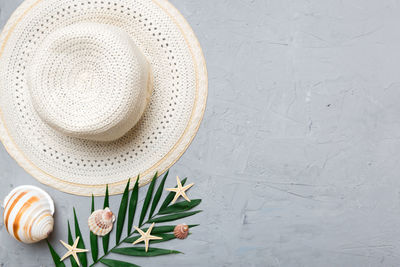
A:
{"x": 73, "y": 250}
{"x": 180, "y": 190}
{"x": 146, "y": 237}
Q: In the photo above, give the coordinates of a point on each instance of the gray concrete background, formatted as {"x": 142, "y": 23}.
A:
{"x": 297, "y": 160}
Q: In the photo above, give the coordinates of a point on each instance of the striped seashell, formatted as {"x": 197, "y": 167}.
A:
{"x": 181, "y": 231}
{"x": 28, "y": 214}
{"x": 101, "y": 222}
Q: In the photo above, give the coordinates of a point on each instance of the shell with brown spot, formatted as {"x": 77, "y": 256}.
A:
{"x": 181, "y": 231}
{"x": 28, "y": 214}
{"x": 101, "y": 222}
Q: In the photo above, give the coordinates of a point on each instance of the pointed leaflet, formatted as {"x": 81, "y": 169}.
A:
{"x": 94, "y": 246}
{"x": 115, "y": 263}
{"x": 158, "y": 194}
{"x": 174, "y": 217}
{"x": 165, "y": 237}
{"x": 106, "y": 238}
{"x": 55, "y": 256}
{"x": 140, "y": 251}
{"x": 106, "y": 199}
{"x": 81, "y": 244}
{"x": 122, "y": 213}
{"x": 171, "y": 196}
{"x": 165, "y": 228}
{"x": 181, "y": 206}
{"x": 132, "y": 205}
{"x": 147, "y": 200}
{"x": 71, "y": 242}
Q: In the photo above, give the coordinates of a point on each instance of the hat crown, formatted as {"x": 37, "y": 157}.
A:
{"x": 90, "y": 81}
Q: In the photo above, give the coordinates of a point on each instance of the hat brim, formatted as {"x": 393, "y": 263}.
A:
{"x": 83, "y": 167}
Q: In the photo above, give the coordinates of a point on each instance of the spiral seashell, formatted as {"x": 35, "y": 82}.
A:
{"x": 28, "y": 214}
{"x": 101, "y": 222}
{"x": 181, "y": 231}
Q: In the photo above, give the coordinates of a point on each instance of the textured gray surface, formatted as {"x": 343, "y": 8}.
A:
{"x": 297, "y": 159}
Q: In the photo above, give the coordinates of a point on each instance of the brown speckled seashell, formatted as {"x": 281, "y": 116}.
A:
{"x": 101, "y": 222}
{"x": 181, "y": 231}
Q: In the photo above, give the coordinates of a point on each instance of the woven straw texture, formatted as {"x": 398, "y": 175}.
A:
{"x": 178, "y": 87}
{"x": 90, "y": 81}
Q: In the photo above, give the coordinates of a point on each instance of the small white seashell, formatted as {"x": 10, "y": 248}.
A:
{"x": 28, "y": 214}
{"x": 101, "y": 222}
{"x": 181, "y": 231}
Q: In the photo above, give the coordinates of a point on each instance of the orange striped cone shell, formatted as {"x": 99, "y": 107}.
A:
{"x": 28, "y": 214}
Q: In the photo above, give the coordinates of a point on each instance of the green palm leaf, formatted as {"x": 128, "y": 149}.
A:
{"x": 55, "y": 256}
{"x": 174, "y": 217}
{"x": 166, "y": 213}
{"x": 71, "y": 242}
{"x": 115, "y": 263}
{"x": 181, "y": 206}
{"x": 94, "y": 246}
{"x": 81, "y": 244}
{"x": 132, "y": 205}
{"x": 158, "y": 194}
{"x": 141, "y": 252}
{"x": 147, "y": 200}
{"x": 171, "y": 196}
{"x": 106, "y": 238}
{"x": 122, "y": 213}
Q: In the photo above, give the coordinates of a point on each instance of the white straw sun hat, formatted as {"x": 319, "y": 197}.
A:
{"x": 97, "y": 92}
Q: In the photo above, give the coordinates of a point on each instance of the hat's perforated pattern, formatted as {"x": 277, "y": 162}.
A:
{"x": 163, "y": 123}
